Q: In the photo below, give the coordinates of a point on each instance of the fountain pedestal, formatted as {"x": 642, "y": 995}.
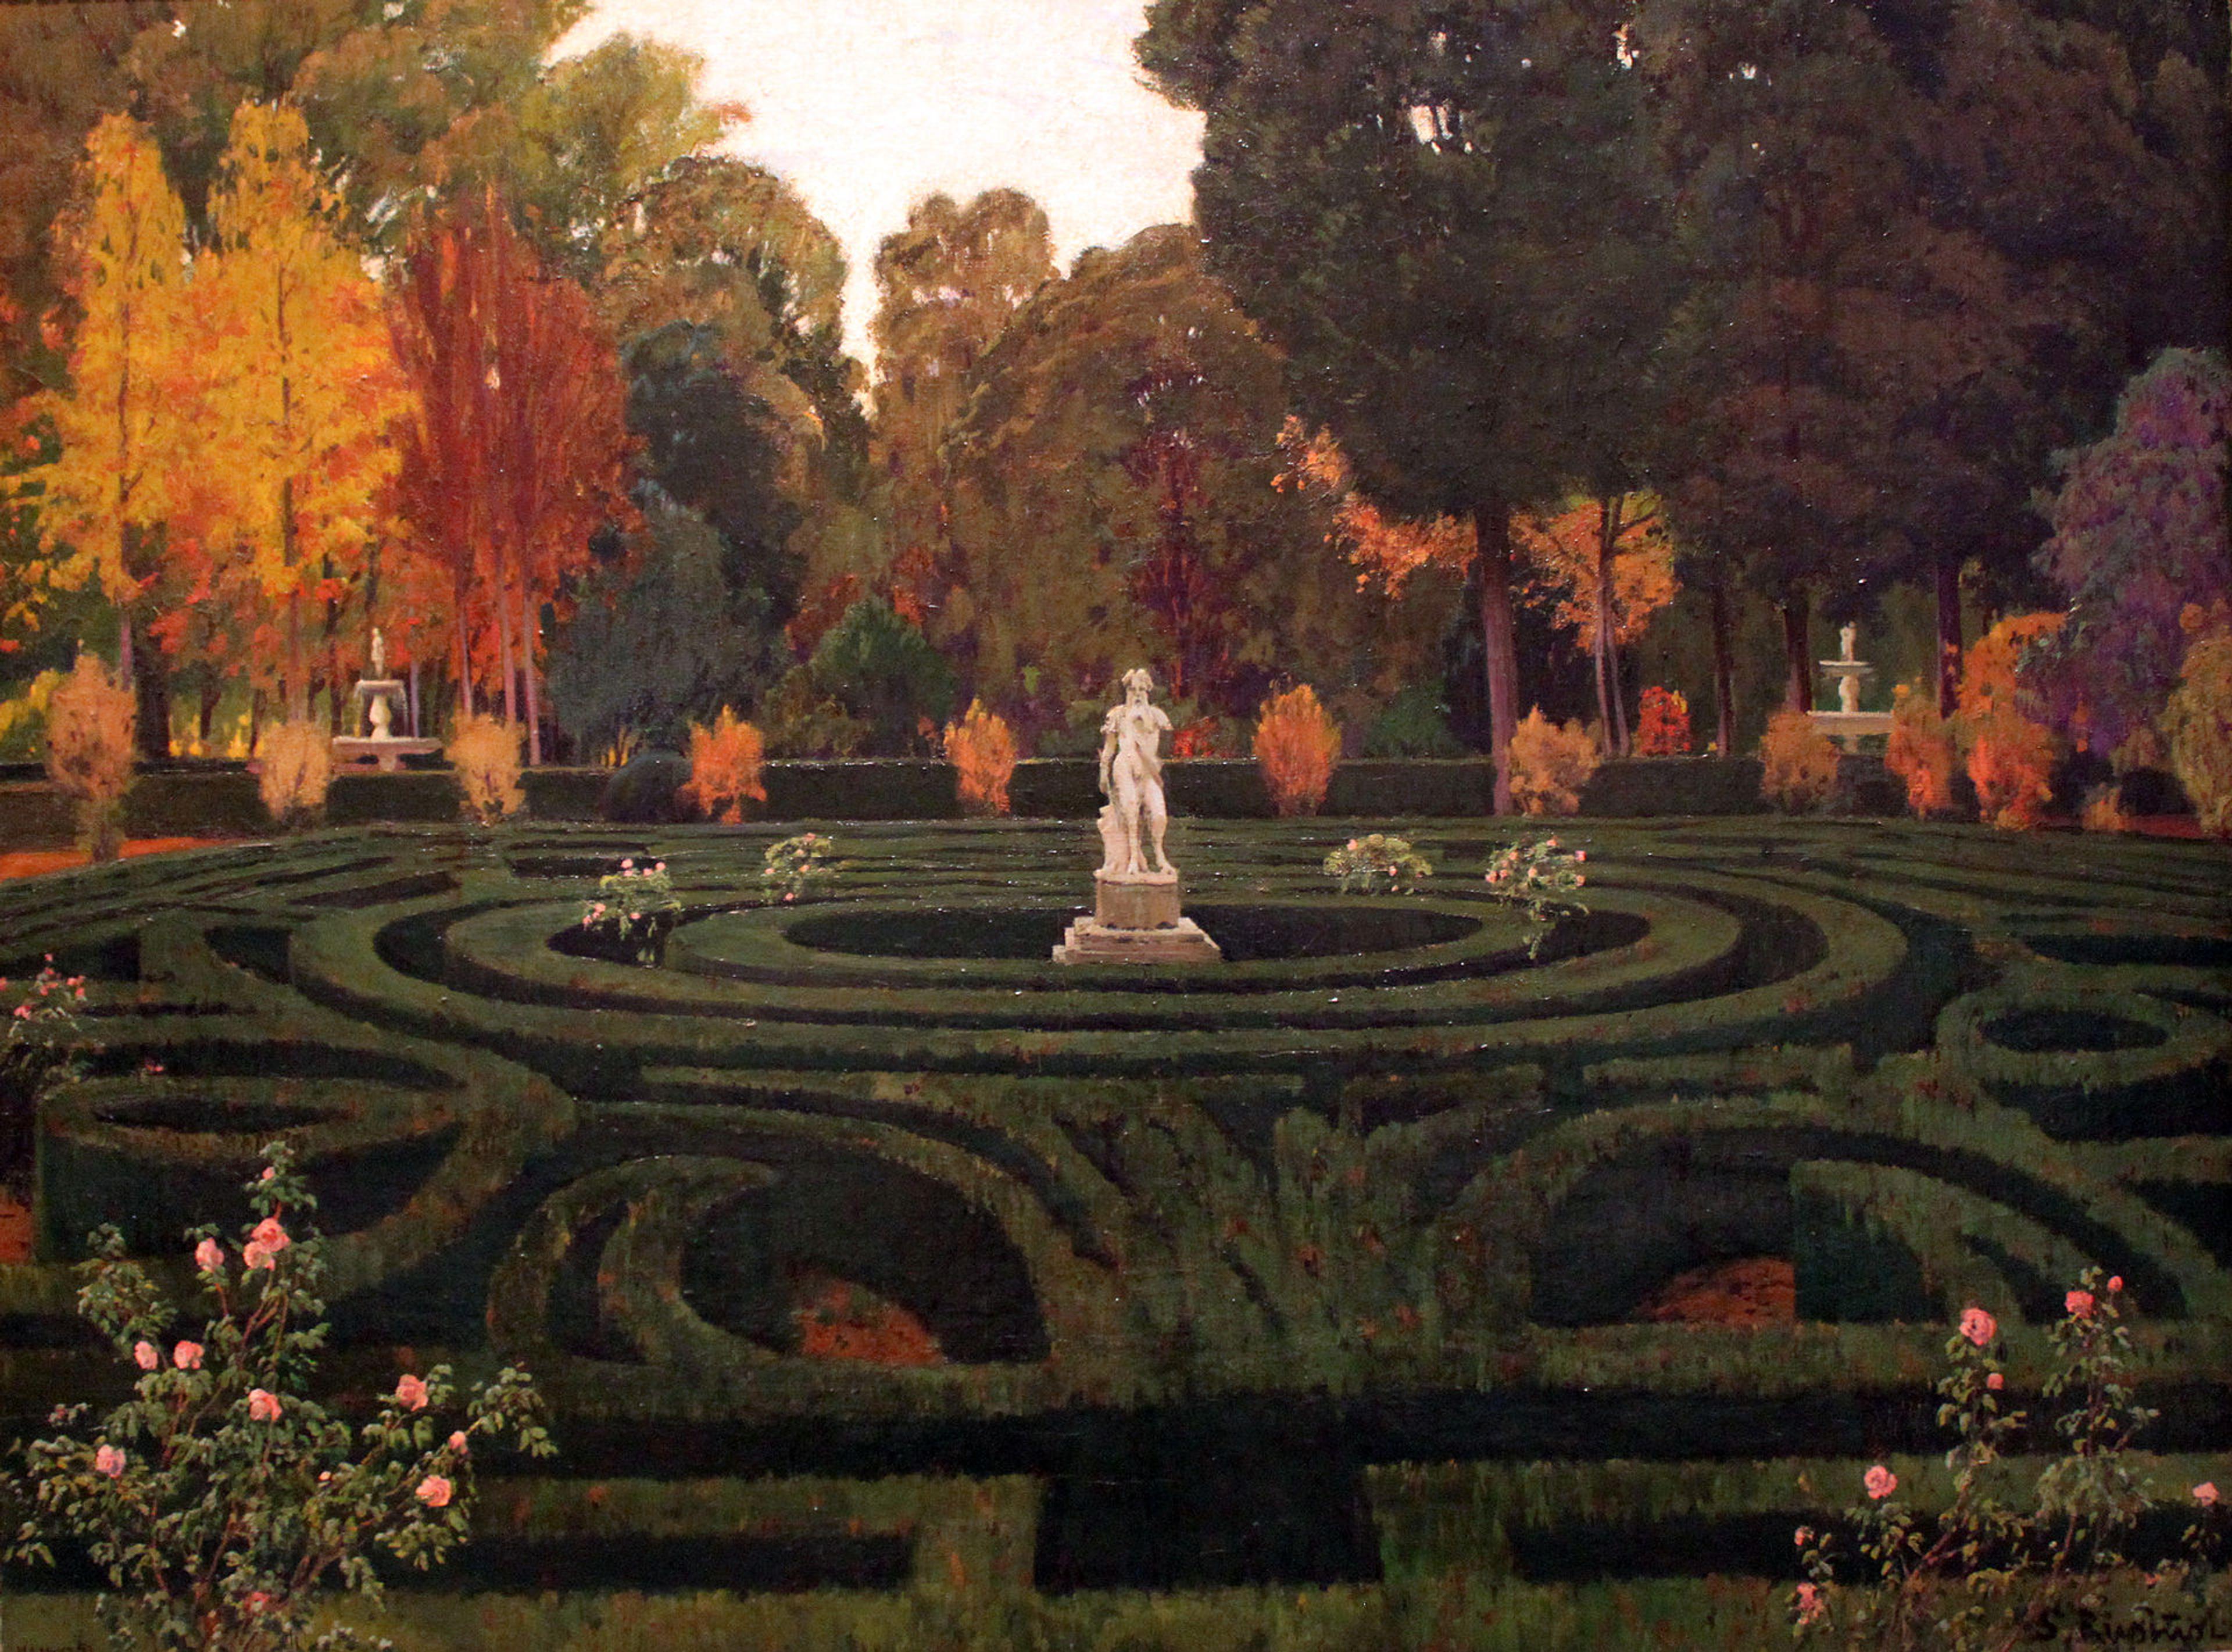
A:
{"x": 1136, "y": 920}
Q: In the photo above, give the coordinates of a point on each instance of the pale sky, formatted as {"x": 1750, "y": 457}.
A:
{"x": 866, "y": 106}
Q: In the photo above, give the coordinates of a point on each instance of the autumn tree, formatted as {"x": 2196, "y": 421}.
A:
{"x": 947, "y": 286}
{"x": 124, "y": 425}
{"x": 517, "y": 456}
{"x": 1607, "y": 566}
{"x": 1417, "y": 206}
{"x": 301, "y": 389}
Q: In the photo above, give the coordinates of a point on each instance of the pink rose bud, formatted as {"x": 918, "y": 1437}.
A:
{"x": 1802, "y": 1536}
{"x": 187, "y": 1356}
{"x": 262, "y": 1405}
{"x": 2078, "y": 1305}
{"x": 2205, "y": 1493}
{"x": 459, "y": 1444}
{"x": 434, "y": 1492}
{"x": 208, "y": 1256}
{"x": 1978, "y": 1326}
{"x": 107, "y": 1460}
{"x": 268, "y": 1172}
{"x": 1996, "y": 1381}
{"x": 143, "y": 1353}
{"x": 1880, "y": 1482}
{"x": 628, "y": 864}
{"x": 410, "y": 1393}
{"x": 2116, "y": 1283}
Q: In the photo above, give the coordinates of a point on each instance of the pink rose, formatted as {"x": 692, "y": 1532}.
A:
{"x": 628, "y": 864}
{"x": 459, "y": 1444}
{"x": 187, "y": 1356}
{"x": 107, "y": 1460}
{"x": 253, "y": 1256}
{"x": 262, "y": 1405}
{"x": 208, "y": 1256}
{"x": 1880, "y": 1482}
{"x": 410, "y": 1393}
{"x": 145, "y": 1353}
{"x": 2115, "y": 1284}
{"x": 270, "y": 1171}
{"x": 269, "y": 1234}
{"x": 1978, "y": 1326}
{"x": 1996, "y": 1381}
{"x": 1802, "y": 1536}
{"x": 1580, "y": 855}
{"x": 434, "y": 1492}
{"x": 2078, "y": 1305}
{"x": 1811, "y": 1607}
{"x": 2205, "y": 1493}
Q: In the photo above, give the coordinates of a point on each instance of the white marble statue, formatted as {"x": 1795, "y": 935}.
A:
{"x": 1850, "y": 638}
{"x": 378, "y": 656}
{"x": 1133, "y": 825}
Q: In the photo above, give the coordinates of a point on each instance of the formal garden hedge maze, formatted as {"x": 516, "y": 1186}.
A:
{"x": 1376, "y": 1248}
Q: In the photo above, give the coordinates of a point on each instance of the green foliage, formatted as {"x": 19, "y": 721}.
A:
{"x": 799, "y": 720}
{"x": 2198, "y": 723}
{"x": 885, "y": 671}
{"x": 1415, "y": 723}
{"x": 1364, "y": 865}
{"x": 634, "y": 910}
{"x": 39, "y": 1047}
{"x": 799, "y": 866}
{"x": 221, "y": 1501}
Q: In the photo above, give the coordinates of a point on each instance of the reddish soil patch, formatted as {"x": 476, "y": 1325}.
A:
{"x": 837, "y": 1320}
{"x": 15, "y": 1229}
{"x": 30, "y": 863}
{"x": 1750, "y": 1291}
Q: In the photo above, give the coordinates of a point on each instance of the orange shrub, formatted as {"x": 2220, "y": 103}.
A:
{"x": 1550, "y": 764}
{"x": 2199, "y": 723}
{"x": 726, "y": 762}
{"x": 1662, "y": 723}
{"x": 295, "y": 770}
{"x": 1800, "y": 763}
{"x": 484, "y": 751}
{"x": 982, "y": 749}
{"x": 2010, "y": 758}
{"x": 1297, "y": 744}
{"x": 89, "y": 728}
{"x": 1921, "y": 751}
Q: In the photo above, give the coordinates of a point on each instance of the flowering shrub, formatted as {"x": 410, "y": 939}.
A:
{"x": 1365, "y": 864}
{"x": 1297, "y": 744}
{"x": 89, "y": 726}
{"x": 1541, "y": 878}
{"x": 982, "y": 749}
{"x": 634, "y": 910}
{"x": 38, "y": 1047}
{"x": 220, "y": 1500}
{"x": 1798, "y": 763}
{"x": 1202, "y": 736}
{"x": 1662, "y": 723}
{"x": 1985, "y": 1573}
{"x": 1550, "y": 764}
{"x": 725, "y": 763}
{"x": 485, "y": 753}
{"x": 296, "y": 770}
{"x": 796, "y": 865}
{"x": 1921, "y": 752}
{"x": 2198, "y": 722}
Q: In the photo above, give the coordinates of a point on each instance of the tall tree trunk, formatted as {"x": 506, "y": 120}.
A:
{"x": 212, "y": 694}
{"x": 298, "y": 683}
{"x": 1797, "y": 653}
{"x": 151, "y": 687}
{"x": 124, "y": 660}
{"x": 414, "y": 696}
{"x": 1724, "y": 676}
{"x": 1611, "y": 704}
{"x": 255, "y": 717}
{"x": 1950, "y": 642}
{"x": 504, "y": 653}
{"x": 526, "y": 665}
{"x": 1491, "y": 523}
{"x": 465, "y": 653}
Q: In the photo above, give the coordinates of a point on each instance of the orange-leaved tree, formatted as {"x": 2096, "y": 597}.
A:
{"x": 300, "y": 389}
{"x": 2010, "y": 756}
{"x": 1609, "y": 562}
{"x": 125, "y": 424}
{"x": 517, "y": 456}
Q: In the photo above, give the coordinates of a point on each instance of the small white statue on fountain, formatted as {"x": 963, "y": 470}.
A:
{"x": 378, "y": 656}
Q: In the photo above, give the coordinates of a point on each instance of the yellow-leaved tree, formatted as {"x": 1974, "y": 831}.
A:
{"x": 1608, "y": 562}
{"x": 126, "y": 419}
{"x": 302, "y": 388}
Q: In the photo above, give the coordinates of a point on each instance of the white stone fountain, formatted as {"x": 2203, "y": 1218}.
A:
{"x": 1848, "y": 722}
{"x": 380, "y": 744}
{"x": 1135, "y": 894}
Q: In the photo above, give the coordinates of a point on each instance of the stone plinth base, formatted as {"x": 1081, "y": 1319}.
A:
{"x": 1091, "y": 941}
{"x": 1142, "y": 902}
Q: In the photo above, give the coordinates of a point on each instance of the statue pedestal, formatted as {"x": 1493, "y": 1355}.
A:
{"x": 1136, "y": 920}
